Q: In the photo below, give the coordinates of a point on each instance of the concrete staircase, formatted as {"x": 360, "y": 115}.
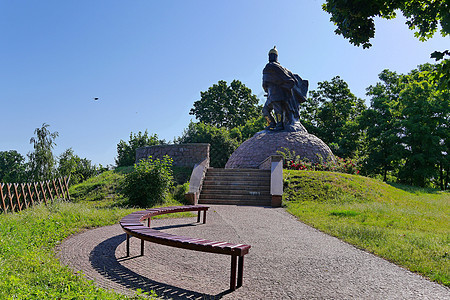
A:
{"x": 236, "y": 187}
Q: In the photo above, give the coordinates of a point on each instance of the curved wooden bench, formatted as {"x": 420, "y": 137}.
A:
{"x": 132, "y": 225}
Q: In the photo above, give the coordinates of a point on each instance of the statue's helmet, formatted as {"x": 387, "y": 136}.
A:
{"x": 274, "y": 51}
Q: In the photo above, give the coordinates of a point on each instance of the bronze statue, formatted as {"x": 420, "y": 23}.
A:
{"x": 285, "y": 92}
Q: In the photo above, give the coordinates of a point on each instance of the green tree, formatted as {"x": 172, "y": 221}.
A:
{"x": 222, "y": 145}
{"x": 407, "y": 128}
{"x": 332, "y": 114}
{"x": 381, "y": 122}
{"x": 425, "y": 119}
{"x": 79, "y": 169}
{"x": 12, "y": 167}
{"x": 126, "y": 152}
{"x": 41, "y": 160}
{"x": 355, "y": 18}
{"x": 355, "y": 21}
{"x": 226, "y": 106}
{"x": 252, "y": 126}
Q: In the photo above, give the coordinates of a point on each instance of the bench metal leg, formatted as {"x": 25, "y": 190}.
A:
{"x": 233, "y": 273}
{"x": 240, "y": 271}
{"x": 128, "y": 245}
{"x": 142, "y": 247}
{"x": 204, "y": 216}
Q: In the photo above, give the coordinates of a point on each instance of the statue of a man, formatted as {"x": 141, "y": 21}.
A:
{"x": 285, "y": 92}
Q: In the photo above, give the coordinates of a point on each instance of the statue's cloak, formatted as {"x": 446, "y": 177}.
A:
{"x": 293, "y": 86}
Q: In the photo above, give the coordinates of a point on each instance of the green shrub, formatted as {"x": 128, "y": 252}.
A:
{"x": 341, "y": 165}
{"x": 149, "y": 183}
{"x": 181, "y": 174}
{"x": 179, "y": 192}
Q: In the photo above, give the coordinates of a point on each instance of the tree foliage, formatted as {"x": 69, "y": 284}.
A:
{"x": 249, "y": 129}
{"x": 222, "y": 144}
{"x": 426, "y": 116}
{"x": 355, "y": 18}
{"x": 332, "y": 113}
{"x": 355, "y": 21}
{"x": 12, "y": 167}
{"x": 79, "y": 169}
{"x": 381, "y": 122}
{"x": 126, "y": 152}
{"x": 41, "y": 160}
{"x": 226, "y": 106}
{"x": 407, "y": 128}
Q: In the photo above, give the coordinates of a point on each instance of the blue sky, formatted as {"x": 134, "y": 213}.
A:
{"x": 147, "y": 61}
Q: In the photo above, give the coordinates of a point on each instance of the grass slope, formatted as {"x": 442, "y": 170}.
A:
{"x": 28, "y": 266}
{"x": 408, "y": 226}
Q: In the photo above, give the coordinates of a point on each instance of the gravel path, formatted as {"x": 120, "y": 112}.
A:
{"x": 288, "y": 260}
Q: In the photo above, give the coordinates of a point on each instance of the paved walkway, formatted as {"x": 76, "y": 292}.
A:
{"x": 288, "y": 260}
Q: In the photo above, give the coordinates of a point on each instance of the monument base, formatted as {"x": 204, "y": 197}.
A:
{"x": 263, "y": 144}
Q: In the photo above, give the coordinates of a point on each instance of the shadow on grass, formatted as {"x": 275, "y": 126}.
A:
{"x": 104, "y": 261}
{"x": 414, "y": 189}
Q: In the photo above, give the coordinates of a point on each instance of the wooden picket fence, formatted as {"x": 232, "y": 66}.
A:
{"x": 19, "y": 196}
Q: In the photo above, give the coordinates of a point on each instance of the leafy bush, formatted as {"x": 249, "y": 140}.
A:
{"x": 150, "y": 181}
{"x": 341, "y": 165}
{"x": 179, "y": 191}
{"x": 181, "y": 174}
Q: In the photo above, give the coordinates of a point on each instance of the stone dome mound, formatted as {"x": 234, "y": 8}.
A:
{"x": 255, "y": 150}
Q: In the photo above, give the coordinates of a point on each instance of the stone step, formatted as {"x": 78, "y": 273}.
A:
{"x": 236, "y": 188}
{"x": 235, "y": 202}
{"x": 236, "y": 171}
{"x": 252, "y": 184}
{"x": 238, "y": 177}
{"x": 235, "y": 196}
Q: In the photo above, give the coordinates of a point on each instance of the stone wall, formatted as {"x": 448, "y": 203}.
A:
{"x": 183, "y": 155}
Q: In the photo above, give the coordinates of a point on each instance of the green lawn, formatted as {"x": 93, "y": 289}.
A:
{"x": 408, "y": 226}
{"x": 28, "y": 266}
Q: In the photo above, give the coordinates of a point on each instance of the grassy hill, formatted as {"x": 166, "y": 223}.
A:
{"x": 408, "y": 226}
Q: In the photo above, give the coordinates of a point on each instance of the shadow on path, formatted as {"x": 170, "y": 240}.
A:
{"x": 104, "y": 261}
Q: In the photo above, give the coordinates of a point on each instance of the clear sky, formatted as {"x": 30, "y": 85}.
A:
{"x": 147, "y": 61}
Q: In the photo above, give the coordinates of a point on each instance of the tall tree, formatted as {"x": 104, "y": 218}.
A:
{"x": 226, "y": 106}
{"x": 334, "y": 112}
{"x": 222, "y": 144}
{"x": 126, "y": 152}
{"x": 355, "y": 21}
{"x": 12, "y": 167}
{"x": 407, "y": 127}
{"x": 382, "y": 125}
{"x": 79, "y": 169}
{"x": 426, "y": 111}
{"x": 41, "y": 160}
